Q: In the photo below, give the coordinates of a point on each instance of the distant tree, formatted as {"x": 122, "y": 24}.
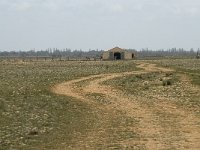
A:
{"x": 198, "y": 54}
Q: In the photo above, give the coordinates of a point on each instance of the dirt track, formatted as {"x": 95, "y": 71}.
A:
{"x": 180, "y": 130}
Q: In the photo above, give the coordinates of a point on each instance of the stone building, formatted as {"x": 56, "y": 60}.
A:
{"x": 118, "y": 54}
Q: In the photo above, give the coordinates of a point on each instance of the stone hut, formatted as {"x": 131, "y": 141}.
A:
{"x": 118, "y": 54}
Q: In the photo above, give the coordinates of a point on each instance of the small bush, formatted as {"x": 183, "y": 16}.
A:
{"x": 167, "y": 82}
{"x": 2, "y": 105}
{"x": 34, "y": 131}
{"x": 168, "y": 74}
{"x": 139, "y": 76}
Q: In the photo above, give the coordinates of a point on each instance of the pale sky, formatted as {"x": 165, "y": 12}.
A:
{"x": 99, "y": 24}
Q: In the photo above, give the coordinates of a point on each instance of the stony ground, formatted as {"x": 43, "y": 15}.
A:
{"x": 100, "y": 105}
{"x": 154, "y": 107}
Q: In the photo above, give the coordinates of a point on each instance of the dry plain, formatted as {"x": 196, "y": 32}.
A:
{"x": 152, "y": 104}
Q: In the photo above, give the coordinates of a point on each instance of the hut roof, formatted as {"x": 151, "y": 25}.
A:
{"x": 117, "y": 49}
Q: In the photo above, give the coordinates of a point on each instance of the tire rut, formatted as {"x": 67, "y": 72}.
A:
{"x": 154, "y": 132}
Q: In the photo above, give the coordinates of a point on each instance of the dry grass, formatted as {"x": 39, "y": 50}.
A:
{"x": 32, "y": 117}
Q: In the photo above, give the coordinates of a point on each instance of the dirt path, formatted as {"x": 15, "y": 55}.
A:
{"x": 176, "y": 129}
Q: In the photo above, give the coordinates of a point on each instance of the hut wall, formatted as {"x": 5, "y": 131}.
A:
{"x": 128, "y": 55}
{"x": 106, "y": 56}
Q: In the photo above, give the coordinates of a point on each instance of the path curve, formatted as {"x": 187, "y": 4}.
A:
{"x": 153, "y": 134}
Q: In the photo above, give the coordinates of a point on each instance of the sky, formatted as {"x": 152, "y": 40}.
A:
{"x": 99, "y": 24}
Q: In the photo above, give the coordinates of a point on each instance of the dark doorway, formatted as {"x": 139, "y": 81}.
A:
{"x": 117, "y": 56}
{"x": 133, "y": 56}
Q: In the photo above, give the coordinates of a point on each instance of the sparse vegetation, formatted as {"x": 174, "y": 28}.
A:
{"x": 33, "y": 117}
{"x": 189, "y": 67}
{"x": 176, "y": 86}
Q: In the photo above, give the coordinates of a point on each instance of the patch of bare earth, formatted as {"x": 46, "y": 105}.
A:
{"x": 162, "y": 125}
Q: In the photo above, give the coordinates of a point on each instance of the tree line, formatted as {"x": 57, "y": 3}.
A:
{"x": 173, "y": 52}
{"x": 68, "y": 53}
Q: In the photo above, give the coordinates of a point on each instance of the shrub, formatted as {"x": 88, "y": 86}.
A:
{"x": 2, "y": 105}
{"x": 168, "y": 74}
{"x": 167, "y": 82}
